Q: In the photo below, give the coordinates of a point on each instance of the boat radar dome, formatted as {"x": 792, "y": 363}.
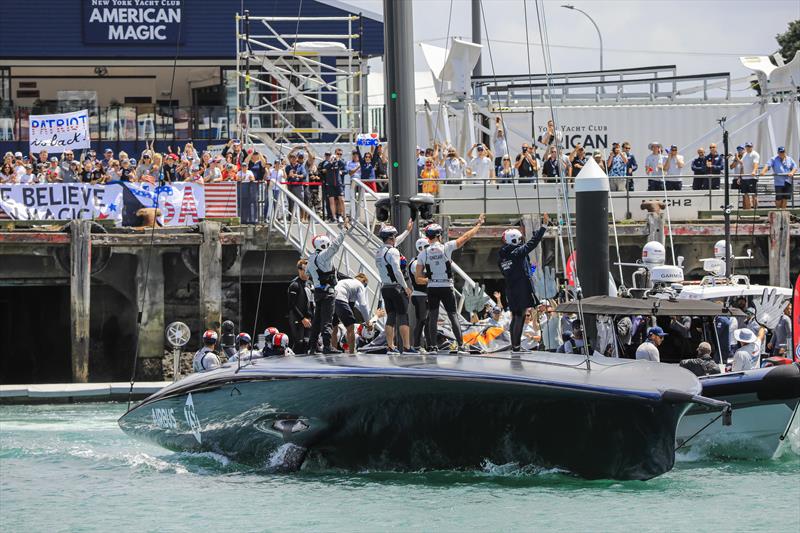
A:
{"x": 654, "y": 254}
{"x": 719, "y": 249}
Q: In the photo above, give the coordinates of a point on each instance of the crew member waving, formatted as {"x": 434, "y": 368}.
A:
{"x": 434, "y": 270}
{"x": 323, "y": 278}
{"x": 516, "y": 268}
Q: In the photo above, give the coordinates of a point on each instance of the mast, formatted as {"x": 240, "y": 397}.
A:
{"x": 726, "y": 209}
{"x": 398, "y": 38}
{"x": 476, "y": 33}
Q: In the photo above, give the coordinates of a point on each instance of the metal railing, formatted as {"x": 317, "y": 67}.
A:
{"x": 533, "y": 195}
{"x": 287, "y": 212}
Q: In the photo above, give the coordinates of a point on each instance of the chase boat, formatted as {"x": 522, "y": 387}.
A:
{"x": 595, "y": 417}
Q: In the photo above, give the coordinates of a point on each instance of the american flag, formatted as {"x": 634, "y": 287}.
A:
{"x": 221, "y": 200}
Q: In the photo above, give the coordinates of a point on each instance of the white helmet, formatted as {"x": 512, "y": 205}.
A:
{"x": 320, "y": 242}
{"x": 421, "y": 244}
{"x": 512, "y": 236}
{"x": 719, "y": 249}
{"x": 654, "y": 253}
{"x": 387, "y": 232}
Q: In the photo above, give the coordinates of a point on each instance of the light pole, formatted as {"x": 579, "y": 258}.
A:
{"x": 599, "y": 35}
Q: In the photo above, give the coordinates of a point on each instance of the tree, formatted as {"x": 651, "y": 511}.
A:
{"x": 789, "y": 41}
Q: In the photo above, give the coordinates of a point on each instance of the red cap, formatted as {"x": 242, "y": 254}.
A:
{"x": 173, "y": 156}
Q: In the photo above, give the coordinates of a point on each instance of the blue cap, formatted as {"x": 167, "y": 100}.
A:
{"x": 781, "y": 149}
{"x": 739, "y": 148}
{"x": 656, "y": 330}
{"x": 108, "y": 151}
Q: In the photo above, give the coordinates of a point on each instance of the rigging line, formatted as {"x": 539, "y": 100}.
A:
{"x": 500, "y": 109}
{"x": 684, "y": 443}
{"x": 530, "y": 88}
{"x": 616, "y": 237}
{"x": 152, "y": 236}
{"x": 548, "y": 63}
{"x": 669, "y": 219}
{"x": 441, "y": 82}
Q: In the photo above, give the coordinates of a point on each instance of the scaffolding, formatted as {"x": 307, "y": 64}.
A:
{"x": 300, "y": 86}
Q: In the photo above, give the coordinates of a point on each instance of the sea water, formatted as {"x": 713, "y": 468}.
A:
{"x": 70, "y": 468}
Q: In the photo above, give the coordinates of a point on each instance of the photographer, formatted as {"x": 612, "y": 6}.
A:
{"x": 527, "y": 164}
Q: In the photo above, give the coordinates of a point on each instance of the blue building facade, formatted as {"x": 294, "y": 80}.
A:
{"x": 162, "y": 69}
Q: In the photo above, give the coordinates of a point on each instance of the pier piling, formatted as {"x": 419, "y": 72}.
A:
{"x": 80, "y": 297}
{"x": 779, "y": 226}
{"x": 210, "y": 274}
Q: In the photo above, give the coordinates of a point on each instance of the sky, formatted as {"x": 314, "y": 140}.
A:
{"x": 698, "y": 36}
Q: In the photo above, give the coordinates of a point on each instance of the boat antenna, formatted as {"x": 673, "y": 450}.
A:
{"x": 150, "y": 246}
{"x": 548, "y": 61}
{"x": 726, "y": 209}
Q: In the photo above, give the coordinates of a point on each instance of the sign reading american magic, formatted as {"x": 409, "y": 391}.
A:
{"x": 132, "y": 21}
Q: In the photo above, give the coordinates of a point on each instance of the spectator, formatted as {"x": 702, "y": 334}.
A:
{"x": 53, "y": 173}
{"x": 213, "y": 173}
{"x": 783, "y": 170}
{"x": 368, "y": 168}
{"x": 531, "y": 333}
{"x": 331, "y": 172}
{"x": 672, "y": 168}
{"x": 19, "y": 164}
{"x": 527, "y": 164}
{"x": 145, "y": 166}
{"x": 353, "y": 170}
{"x": 714, "y": 165}
{"x": 617, "y": 165}
{"x": 551, "y": 167}
{"x": 8, "y": 175}
{"x": 67, "y": 168}
{"x": 454, "y": 166}
{"x": 381, "y": 168}
{"x": 749, "y": 181}
{"x": 654, "y": 167}
{"x": 126, "y": 171}
{"x": 703, "y": 364}
{"x": 40, "y": 165}
{"x": 550, "y": 136}
{"x": 782, "y": 334}
{"x": 190, "y": 156}
{"x": 699, "y": 169}
{"x": 255, "y": 162}
{"x": 169, "y": 169}
{"x": 748, "y": 353}
{"x": 573, "y": 342}
{"x": 108, "y": 156}
{"x": 499, "y": 143}
{"x": 598, "y": 158}
{"x": 245, "y": 174}
{"x": 28, "y": 177}
{"x": 481, "y": 166}
{"x": 430, "y": 178}
{"x": 112, "y": 170}
{"x": 632, "y": 166}
{"x": 736, "y": 167}
{"x": 233, "y": 148}
{"x": 506, "y": 173}
{"x": 296, "y": 179}
{"x": 577, "y": 159}
{"x": 648, "y": 350}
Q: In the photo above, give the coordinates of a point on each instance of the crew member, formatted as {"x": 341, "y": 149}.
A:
{"x": 301, "y": 307}
{"x": 278, "y": 345}
{"x": 228, "y": 340}
{"x": 206, "y": 357}
{"x": 351, "y": 295}
{"x": 434, "y": 270}
{"x": 648, "y": 350}
{"x": 245, "y": 352}
{"x": 323, "y": 278}
{"x": 703, "y": 364}
{"x": 573, "y": 338}
{"x": 516, "y": 268}
{"x": 419, "y": 297}
{"x": 395, "y": 291}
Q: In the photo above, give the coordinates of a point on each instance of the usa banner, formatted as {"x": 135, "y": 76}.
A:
{"x": 57, "y": 133}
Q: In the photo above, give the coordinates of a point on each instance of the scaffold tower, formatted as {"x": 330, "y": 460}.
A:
{"x": 296, "y": 85}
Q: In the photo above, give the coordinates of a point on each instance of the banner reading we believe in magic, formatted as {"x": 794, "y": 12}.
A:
{"x": 57, "y": 133}
{"x": 181, "y": 204}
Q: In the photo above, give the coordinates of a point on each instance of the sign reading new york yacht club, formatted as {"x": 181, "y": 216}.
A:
{"x": 132, "y": 21}
{"x": 60, "y": 132}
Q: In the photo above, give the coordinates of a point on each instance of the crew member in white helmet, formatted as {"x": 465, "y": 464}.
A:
{"x": 434, "y": 270}
{"x": 351, "y": 295}
{"x": 206, "y": 357}
{"x": 395, "y": 291}
{"x": 323, "y": 277}
{"x": 419, "y": 296}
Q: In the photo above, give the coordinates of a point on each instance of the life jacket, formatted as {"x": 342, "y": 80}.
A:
{"x": 324, "y": 278}
{"x": 389, "y": 270}
{"x": 438, "y": 267}
{"x": 412, "y": 275}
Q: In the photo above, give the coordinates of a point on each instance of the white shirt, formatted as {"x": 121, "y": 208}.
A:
{"x": 388, "y": 257}
{"x": 500, "y": 145}
{"x": 673, "y": 172}
{"x": 454, "y": 168}
{"x": 352, "y": 290}
{"x": 436, "y": 257}
{"x": 27, "y": 178}
{"x": 648, "y": 351}
{"x": 481, "y": 167}
{"x": 749, "y": 163}
{"x": 245, "y": 175}
{"x": 205, "y": 359}
{"x": 527, "y": 342}
{"x": 746, "y": 357}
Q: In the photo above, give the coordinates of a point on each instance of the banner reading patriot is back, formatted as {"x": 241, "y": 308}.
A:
{"x": 57, "y": 133}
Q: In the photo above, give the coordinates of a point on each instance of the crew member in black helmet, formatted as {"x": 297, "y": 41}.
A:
{"x": 516, "y": 268}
